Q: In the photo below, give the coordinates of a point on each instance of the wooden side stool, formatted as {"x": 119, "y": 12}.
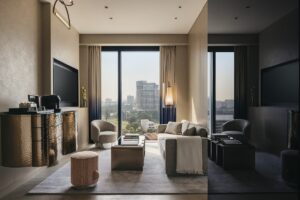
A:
{"x": 84, "y": 169}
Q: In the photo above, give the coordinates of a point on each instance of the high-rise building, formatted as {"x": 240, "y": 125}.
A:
{"x": 147, "y": 96}
{"x": 130, "y": 100}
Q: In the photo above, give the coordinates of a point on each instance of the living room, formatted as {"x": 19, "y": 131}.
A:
{"x": 112, "y": 99}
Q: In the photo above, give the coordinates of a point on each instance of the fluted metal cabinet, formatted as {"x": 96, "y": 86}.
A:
{"x": 31, "y": 140}
{"x": 16, "y": 140}
{"x": 69, "y": 143}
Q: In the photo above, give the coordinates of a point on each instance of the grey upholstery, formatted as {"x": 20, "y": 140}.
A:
{"x": 168, "y": 145}
{"x": 103, "y": 132}
{"x": 238, "y": 129}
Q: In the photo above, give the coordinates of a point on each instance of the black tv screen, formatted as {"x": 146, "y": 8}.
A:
{"x": 280, "y": 85}
{"x": 65, "y": 83}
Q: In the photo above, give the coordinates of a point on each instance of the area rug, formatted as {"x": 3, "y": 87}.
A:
{"x": 266, "y": 178}
{"x": 152, "y": 180}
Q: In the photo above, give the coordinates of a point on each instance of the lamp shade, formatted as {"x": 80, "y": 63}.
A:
{"x": 169, "y": 101}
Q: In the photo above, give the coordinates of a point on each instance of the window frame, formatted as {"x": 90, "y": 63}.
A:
{"x": 214, "y": 50}
{"x": 119, "y": 50}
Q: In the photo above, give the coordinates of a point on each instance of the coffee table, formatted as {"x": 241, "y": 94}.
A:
{"x": 128, "y": 155}
{"x": 232, "y": 156}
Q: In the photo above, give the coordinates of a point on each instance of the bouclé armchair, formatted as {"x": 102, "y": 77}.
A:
{"x": 103, "y": 132}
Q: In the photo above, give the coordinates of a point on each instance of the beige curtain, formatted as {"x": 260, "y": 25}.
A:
{"x": 167, "y": 70}
{"x": 94, "y": 82}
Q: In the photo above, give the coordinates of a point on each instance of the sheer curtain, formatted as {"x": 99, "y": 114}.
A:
{"x": 167, "y": 79}
{"x": 167, "y": 69}
{"x": 94, "y": 82}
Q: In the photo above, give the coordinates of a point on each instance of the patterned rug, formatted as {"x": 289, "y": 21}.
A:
{"x": 152, "y": 180}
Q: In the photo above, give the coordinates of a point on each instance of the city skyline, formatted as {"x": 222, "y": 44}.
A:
{"x": 136, "y": 66}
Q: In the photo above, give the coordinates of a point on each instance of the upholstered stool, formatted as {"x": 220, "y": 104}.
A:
{"x": 290, "y": 167}
{"x": 84, "y": 169}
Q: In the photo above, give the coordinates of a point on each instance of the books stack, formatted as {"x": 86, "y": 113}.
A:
{"x": 130, "y": 139}
{"x": 131, "y": 136}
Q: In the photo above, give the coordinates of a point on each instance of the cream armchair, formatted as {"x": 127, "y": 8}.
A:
{"x": 103, "y": 132}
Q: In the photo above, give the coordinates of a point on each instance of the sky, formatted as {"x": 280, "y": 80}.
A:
{"x": 135, "y": 66}
{"x": 224, "y": 75}
{"x": 145, "y": 66}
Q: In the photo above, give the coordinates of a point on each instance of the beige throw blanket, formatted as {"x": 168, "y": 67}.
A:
{"x": 189, "y": 155}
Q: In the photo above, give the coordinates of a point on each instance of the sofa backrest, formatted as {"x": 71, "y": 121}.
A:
{"x": 200, "y": 131}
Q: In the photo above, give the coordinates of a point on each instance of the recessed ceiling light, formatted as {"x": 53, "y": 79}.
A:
{"x": 248, "y": 6}
{"x": 236, "y": 18}
{"x": 179, "y": 6}
{"x": 175, "y": 18}
{"x": 106, "y": 7}
{"x": 110, "y": 18}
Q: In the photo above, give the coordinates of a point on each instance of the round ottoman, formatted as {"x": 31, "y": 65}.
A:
{"x": 84, "y": 169}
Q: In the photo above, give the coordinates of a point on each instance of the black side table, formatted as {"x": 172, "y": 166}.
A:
{"x": 235, "y": 156}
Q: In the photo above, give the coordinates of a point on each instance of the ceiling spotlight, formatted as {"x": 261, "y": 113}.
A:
{"x": 106, "y": 7}
{"x": 175, "y": 18}
{"x": 236, "y": 18}
{"x": 248, "y": 6}
{"x": 110, "y": 18}
{"x": 179, "y": 7}
{"x": 65, "y": 3}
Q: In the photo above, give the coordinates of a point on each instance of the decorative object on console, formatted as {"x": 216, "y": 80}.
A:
{"x": 59, "y": 16}
{"x": 51, "y": 102}
{"x": 83, "y": 93}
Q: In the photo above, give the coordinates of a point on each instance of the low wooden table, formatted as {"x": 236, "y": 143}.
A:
{"x": 128, "y": 156}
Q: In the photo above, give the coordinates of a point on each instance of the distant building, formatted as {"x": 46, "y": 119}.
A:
{"x": 108, "y": 101}
{"x": 130, "y": 100}
{"x": 229, "y": 103}
{"x": 147, "y": 96}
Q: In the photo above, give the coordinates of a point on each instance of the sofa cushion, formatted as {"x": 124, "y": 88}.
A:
{"x": 189, "y": 131}
{"x": 184, "y": 126}
{"x": 200, "y": 131}
{"x": 173, "y": 128}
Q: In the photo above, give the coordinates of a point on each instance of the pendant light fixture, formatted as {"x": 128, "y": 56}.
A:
{"x": 66, "y": 4}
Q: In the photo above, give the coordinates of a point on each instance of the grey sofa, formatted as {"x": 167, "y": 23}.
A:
{"x": 168, "y": 147}
{"x": 239, "y": 129}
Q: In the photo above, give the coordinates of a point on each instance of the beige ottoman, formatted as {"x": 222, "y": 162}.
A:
{"x": 84, "y": 169}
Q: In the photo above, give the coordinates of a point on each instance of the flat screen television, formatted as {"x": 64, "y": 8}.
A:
{"x": 280, "y": 85}
{"x": 65, "y": 83}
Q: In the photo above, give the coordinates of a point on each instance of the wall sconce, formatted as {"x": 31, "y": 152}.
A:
{"x": 59, "y": 16}
{"x": 169, "y": 100}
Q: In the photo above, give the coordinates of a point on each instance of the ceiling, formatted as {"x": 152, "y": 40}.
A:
{"x": 245, "y": 16}
{"x": 134, "y": 16}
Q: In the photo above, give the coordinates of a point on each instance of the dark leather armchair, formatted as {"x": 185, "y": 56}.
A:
{"x": 238, "y": 129}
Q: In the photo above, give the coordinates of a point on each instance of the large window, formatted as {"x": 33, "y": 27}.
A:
{"x": 130, "y": 88}
{"x": 221, "y": 66}
{"x": 109, "y": 87}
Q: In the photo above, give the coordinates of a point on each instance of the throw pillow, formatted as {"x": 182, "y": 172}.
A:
{"x": 185, "y": 125}
{"x": 189, "y": 131}
{"x": 173, "y": 128}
